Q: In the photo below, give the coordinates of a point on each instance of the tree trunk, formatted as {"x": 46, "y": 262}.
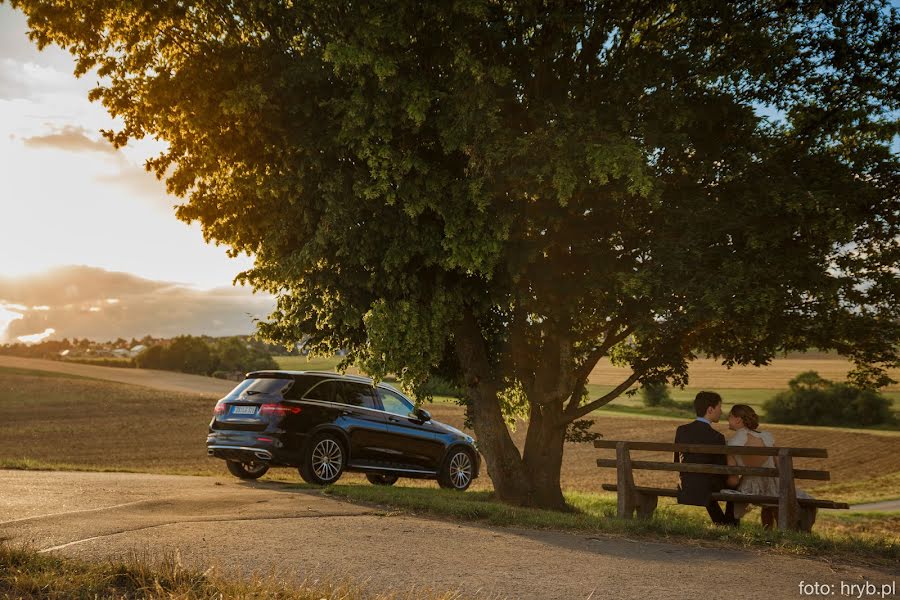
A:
{"x": 502, "y": 458}
{"x": 543, "y": 455}
{"x": 533, "y": 481}
{"x": 530, "y": 481}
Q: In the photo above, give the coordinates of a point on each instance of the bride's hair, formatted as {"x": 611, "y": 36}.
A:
{"x": 747, "y": 415}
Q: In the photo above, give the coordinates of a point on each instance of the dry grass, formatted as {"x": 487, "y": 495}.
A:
{"x": 707, "y": 373}
{"x": 853, "y": 455}
{"x": 62, "y": 422}
{"x": 100, "y": 424}
{"x": 26, "y": 574}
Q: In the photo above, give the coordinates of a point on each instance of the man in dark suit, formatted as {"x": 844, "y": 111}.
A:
{"x": 696, "y": 488}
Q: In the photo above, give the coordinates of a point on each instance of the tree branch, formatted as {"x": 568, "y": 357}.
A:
{"x": 610, "y": 340}
{"x": 579, "y": 412}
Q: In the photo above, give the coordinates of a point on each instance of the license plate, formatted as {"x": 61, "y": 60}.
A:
{"x": 243, "y": 410}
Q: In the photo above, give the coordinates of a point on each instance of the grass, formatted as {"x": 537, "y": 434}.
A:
{"x": 60, "y": 422}
{"x": 864, "y": 491}
{"x": 76, "y": 422}
{"x": 706, "y": 374}
{"x": 308, "y": 363}
{"x": 858, "y": 538}
{"x": 52, "y": 421}
{"x": 13, "y": 371}
{"x": 25, "y": 573}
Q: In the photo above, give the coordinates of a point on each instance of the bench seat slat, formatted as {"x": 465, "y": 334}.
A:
{"x": 710, "y": 449}
{"x": 715, "y": 469}
{"x": 748, "y": 498}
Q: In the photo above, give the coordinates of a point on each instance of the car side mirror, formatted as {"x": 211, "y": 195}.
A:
{"x": 420, "y": 414}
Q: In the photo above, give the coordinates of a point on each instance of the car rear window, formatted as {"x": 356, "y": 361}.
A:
{"x": 260, "y": 385}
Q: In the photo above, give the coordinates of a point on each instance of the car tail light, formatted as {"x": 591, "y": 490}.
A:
{"x": 279, "y": 410}
{"x": 219, "y": 409}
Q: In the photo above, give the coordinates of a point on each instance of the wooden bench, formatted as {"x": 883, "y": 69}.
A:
{"x": 793, "y": 513}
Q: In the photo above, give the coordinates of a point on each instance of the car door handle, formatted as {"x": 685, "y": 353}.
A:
{"x": 393, "y": 419}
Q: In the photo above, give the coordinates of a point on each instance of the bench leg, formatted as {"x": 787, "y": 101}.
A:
{"x": 646, "y": 505}
{"x": 807, "y": 518}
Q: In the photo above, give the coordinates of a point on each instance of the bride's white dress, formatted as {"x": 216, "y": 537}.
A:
{"x": 751, "y": 484}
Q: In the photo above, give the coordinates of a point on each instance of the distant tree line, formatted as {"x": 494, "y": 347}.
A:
{"x": 218, "y": 357}
{"x": 68, "y": 349}
{"x": 225, "y": 357}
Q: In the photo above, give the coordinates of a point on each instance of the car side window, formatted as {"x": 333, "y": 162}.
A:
{"x": 359, "y": 394}
{"x": 324, "y": 391}
{"x": 394, "y": 403}
{"x": 302, "y": 384}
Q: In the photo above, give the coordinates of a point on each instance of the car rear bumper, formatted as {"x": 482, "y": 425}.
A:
{"x": 238, "y": 453}
{"x": 251, "y": 446}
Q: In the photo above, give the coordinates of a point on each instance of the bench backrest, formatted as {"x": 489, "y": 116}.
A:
{"x": 713, "y": 449}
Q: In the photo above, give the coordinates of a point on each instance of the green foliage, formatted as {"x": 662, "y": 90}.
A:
{"x": 656, "y": 394}
{"x": 206, "y": 356}
{"x": 505, "y": 191}
{"x": 812, "y": 400}
{"x": 579, "y": 432}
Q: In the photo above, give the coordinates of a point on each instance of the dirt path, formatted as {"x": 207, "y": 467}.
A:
{"x": 886, "y": 506}
{"x": 270, "y": 527}
{"x": 161, "y": 380}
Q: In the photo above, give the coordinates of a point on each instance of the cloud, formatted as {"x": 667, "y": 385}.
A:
{"x": 74, "y": 303}
{"x": 71, "y": 139}
{"x": 140, "y": 182}
{"x": 27, "y": 80}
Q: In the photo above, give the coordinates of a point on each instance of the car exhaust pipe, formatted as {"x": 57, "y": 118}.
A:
{"x": 238, "y": 452}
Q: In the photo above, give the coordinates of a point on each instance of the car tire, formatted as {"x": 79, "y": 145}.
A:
{"x": 251, "y": 470}
{"x": 324, "y": 461}
{"x": 382, "y": 478}
{"x": 457, "y": 471}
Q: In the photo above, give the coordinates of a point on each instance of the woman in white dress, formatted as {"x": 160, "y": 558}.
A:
{"x": 744, "y": 421}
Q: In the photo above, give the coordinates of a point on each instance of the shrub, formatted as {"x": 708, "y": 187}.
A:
{"x": 439, "y": 386}
{"x": 812, "y": 400}
{"x": 656, "y": 394}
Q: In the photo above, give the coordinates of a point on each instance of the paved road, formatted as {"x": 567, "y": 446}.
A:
{"x": 886, "y": 506}
{"x": 269, "y": 527}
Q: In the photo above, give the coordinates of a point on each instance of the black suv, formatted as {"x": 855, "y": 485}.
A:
{"x": 325, "y": 424}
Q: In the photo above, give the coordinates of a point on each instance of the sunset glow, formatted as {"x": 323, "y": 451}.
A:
{"x": 70, "y": 198}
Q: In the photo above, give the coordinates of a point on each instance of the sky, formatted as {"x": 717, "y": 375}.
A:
{"x": 68, "y": 198}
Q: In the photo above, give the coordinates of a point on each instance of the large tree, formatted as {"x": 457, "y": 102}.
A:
{"x": 507, "y": 192}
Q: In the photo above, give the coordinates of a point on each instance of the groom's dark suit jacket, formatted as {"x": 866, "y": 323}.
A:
{"x": 696, "y": 487}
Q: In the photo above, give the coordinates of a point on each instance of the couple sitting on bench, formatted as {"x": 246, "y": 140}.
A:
{"x": 697, "y": 488}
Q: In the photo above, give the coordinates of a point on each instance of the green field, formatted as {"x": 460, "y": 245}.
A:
{"x": 305, "y": 363}
{"x": 633, "y": 404}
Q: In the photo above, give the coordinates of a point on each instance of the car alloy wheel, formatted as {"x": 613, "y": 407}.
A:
{"x": 327, "y": 459}
{"x": 457, "y": 471}
{"x": 460, "y": 470}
